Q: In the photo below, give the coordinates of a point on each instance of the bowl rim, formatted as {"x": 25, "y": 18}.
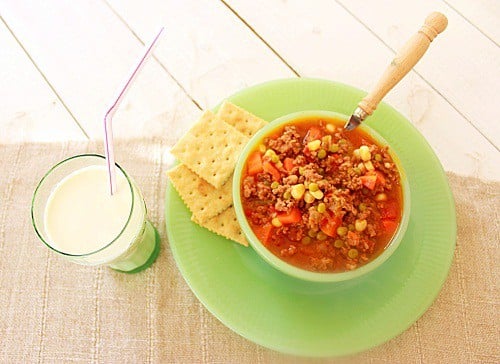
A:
{"x": 288, "y": 268}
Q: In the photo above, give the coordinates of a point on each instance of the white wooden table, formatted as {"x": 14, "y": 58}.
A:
{"x": 61, "y": 63}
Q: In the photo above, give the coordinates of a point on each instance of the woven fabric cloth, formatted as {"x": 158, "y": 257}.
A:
{"x": 54, "y": 311}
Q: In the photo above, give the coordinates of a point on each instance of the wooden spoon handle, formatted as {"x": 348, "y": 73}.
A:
{"x": 405, "y": 59}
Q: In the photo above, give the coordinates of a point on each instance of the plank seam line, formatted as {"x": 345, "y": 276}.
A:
{"x": 261, "y": 38}
{"x": 44, "y": 77}
{"x": 471, "y": 23}
{"x": 419, "y": 75}
{"x": 193, "y": 100}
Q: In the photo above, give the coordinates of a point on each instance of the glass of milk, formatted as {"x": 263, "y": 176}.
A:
{"x": 75, "y": 215}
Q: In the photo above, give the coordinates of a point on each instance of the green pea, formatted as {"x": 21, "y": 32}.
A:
{"x": 362, "y": 207}
{"x": 352, "y": 253}
{"x": 321, "y": 153}
{"x": 321, "y": 236}
{"x": 306, "y": 240}
{"x": 312, "y": 233}
{"x": 287, "y": 195}
{"x": 321, "y": 207}
{"x": 275, "y": 158}
{"x": 378, "y": 157}
{"x": 357, "y": 170}
{"x": 338, "y": 243}
{"x": 275, "y": 185}
{"x": 341, "y": 230}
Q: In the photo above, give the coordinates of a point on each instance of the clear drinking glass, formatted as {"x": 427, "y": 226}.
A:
{"x": 132, "y": 250}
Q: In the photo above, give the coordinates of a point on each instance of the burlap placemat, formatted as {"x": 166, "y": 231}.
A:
{"x": 53, "y": 311}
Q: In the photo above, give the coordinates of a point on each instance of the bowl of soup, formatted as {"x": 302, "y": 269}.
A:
{"x": 318, "y": 202}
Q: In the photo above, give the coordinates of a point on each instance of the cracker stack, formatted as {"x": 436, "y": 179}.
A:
{"x": 208, "y": 154}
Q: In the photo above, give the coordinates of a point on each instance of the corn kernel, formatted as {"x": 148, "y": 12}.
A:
{"x": 275, "y": 158}
{"x": 318, "y": 195}
{"x": 365, "y": 154}
{"x": 334, "y": 148}
{"x": 276, "y": 222}
{"x": 330, "y": 128}
{"x": 360, "y": 225}
{"x": 326, "y": 141}
{"x": 369, "y": 166}
{"x": 297, "y": 191}
{"x": 262, "y": 148}
{"x": 387, "y": 165}
{"x": 314, "y": 145}
{"x": 313, "y": 186}
{"x": 356, "y": 153}
{"x": 308, "y": 198}
{"x": 381, "y": 197}
{"x": 269, "y": 153}
{"x": 378, "y": 157}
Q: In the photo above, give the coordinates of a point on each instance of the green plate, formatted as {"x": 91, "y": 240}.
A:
{"x": 324, "y": 319}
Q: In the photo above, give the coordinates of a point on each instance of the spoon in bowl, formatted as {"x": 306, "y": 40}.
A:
{"x": 403, "y": 62}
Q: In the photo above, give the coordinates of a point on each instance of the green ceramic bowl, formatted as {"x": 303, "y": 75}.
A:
{"x": 283, "y": 266}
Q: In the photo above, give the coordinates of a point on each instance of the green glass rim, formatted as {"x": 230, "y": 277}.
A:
{"x": 49, "y": 173}
{"x": 288, "y": 268}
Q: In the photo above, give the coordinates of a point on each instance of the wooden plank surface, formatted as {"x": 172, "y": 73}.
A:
{"x": 86, "y": 52}
{"x": 214, "y": 48}
{"x": 461, "y": 64}
{"x": 481, "y": 14}
{"x": 29, "y": 109}
{"x": 345, "y": 50}
{"x": 208, "y": 49}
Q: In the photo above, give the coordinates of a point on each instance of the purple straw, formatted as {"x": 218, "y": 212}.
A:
{"x": 108, "y": 117}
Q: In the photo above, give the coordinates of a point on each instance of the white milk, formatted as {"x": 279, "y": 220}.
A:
{"x": 81, "y": 216}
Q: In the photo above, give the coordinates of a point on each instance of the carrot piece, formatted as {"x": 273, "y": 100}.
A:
{"x": 369, "y": 181}
{"x": 288, "y": 164}
{"x": 292, "y": 217}
{"x": 263, "y": 232}
{"x": 330, "y": 224}
{"x": 314, "y": 133}
{"x": 271, "y": 169}
{"x": 389, "y": 225}
{"x": 254, "y": 163}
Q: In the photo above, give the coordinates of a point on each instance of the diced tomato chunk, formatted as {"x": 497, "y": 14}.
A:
{"x": 271, "y": 169}
{"x": 330, "y": 224}
{"x": 369, "y": 181}
{"x": 389, "y": 210}
{"x": 389, "y": 226}
{"x": 262, "y": 232}
{"x": 292, "y": 217}
{"x": 288, "y": 164}
{"x": 380, "y": 178}
{"x": 314, "y": 133}
{"x": 254, "y": 163}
